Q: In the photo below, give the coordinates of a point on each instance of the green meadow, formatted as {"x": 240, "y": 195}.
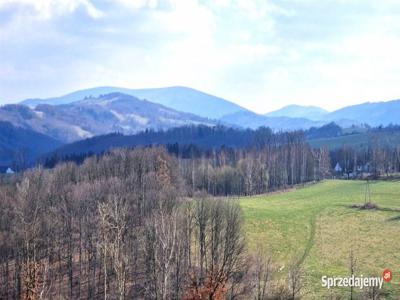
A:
{"x": 317, "y": 228}
{"x": 358, "y": 140}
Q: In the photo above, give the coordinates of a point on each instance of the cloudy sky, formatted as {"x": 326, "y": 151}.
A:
{"x": 260, "y": 54}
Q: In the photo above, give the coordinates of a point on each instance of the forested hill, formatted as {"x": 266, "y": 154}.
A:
{"x": 19, "y": 147}
{"x": 191, "y": 141}
{"x": 200, "y": 137}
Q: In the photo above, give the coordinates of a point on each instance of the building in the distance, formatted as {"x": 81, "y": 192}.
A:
{"x": 9, "y": 171}
{"x": 338, "y": 168}
{"x": 6, "y": 170}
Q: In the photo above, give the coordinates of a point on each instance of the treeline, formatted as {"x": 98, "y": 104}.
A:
{"x": 185, "y": 140}
{"x": 228, "y": 161}
{"x": 255, "y": 171}
{"x": 259, "y": 161}
{"x": 374, "y": 160}
{"x": 120, "y": 226}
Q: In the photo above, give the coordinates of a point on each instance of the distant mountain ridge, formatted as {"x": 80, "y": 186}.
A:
{"x": 371, "y": 113}
{"x": 313, "y": 113}
{"x": 204, "y": 105}
{"x": 252, "y": 120}
{"x": 188, "y": 100}
{"x": 179, "y": 98}
{"x": 108, "y": 110}
{"x": 92, "y": 116}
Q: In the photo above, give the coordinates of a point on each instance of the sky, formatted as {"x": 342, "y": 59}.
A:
{"x": 259, "y": 54}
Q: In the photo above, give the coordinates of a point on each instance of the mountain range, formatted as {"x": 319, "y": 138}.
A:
{"x": 179, "y": 98}
{"x": 371, "y": 113}
{"x": 114, "y": 112}
{"x": 186, "y": 100}
{"x": 192, "y": 101}
{"x": 103, "y": 110}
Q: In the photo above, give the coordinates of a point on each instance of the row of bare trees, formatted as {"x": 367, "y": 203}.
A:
{"x": 225, "y": 161}
{"x": 254, "y": 171}
{"x": 374, "y": 159}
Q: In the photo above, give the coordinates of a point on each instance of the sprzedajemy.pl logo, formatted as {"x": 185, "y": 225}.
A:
{"x": 356, "y": 281}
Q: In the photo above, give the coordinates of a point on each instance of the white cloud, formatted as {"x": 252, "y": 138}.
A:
{"x": 262, "y": 53}
{"x": 138, "y": 4}
{"x": 46, "y": 9}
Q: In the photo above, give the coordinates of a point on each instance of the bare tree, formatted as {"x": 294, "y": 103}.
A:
{"x": 295, "y": 281}
{"x": 113, "y": 216}
{"x": 31, "y": 193}
{"x": 220, "y": 247}
{"x": 262, "y": 276}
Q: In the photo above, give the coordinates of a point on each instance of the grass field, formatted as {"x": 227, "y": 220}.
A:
{"x": 316, "y": 227}
{"x": 358, "y": 140}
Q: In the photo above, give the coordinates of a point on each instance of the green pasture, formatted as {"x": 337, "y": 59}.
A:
{"x": 316, "y": 228}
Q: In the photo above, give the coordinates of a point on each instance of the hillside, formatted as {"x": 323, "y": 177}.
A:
{"x": 252, "y": 120}
{"x": 374, "y": 114}
{"x": 22, "y": 146}
{"x": 201, "y": 136}
{"x": 178, "y": 98}
{"x": 315, "y": 227}
{"x": 36, "y": 120}
{"x": 190, "y": 100}
{"x": 359, "y": 139}
{"x": 93, "y": 116}
{"x": 212, "y": 137}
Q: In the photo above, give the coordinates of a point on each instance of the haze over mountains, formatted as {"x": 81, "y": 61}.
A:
{"x": 192, "y": 101}
{"x": 188, "y": 100}
{"x": 103, "y": 110}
